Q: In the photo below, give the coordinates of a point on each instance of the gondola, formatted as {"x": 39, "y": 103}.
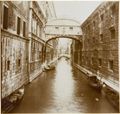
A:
{"x": 94, "y": 82}
{"x": 48, "y": 68}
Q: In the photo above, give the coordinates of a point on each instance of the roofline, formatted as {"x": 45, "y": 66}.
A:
{"x": 64, "y": 19}
{"x": 104, "y": 2}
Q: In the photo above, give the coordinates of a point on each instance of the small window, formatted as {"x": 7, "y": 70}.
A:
{"x": 101, "y": 37}
{"x": 19, "y": 62}
{"x": 102, "y": 17}
{"x": 8, "y": 65}
{"x": 93, "y": 39}
{"x": 113, "y": 11}
{"x": 92, "y": 61}
{"x": 100, "y": 61}
{"x": 71, "y": 28}
{"x": 5, "y": 18}
{"x": 18, "y": 25}
{"x": 112, "y": 32}
{"x": 110, "y": 64}
{"x": 93, "y": 23}
{"x": 24, "y": 29}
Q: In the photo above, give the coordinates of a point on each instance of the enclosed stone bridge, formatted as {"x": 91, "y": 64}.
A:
{"x": 62, "y": 28}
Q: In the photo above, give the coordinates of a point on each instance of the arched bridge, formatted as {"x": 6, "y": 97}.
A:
{"x": 62, "y": 28}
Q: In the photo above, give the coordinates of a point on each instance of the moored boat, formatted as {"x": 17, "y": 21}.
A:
{"x": 94, "y": 82}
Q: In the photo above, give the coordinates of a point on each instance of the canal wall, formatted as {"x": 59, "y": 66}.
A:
{"x": 109, "y": 82}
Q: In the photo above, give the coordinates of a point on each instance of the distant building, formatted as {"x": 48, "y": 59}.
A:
{"x": 76, "y": 51}
{"x": 100, "y": 42}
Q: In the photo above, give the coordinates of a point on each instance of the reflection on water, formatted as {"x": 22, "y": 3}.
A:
{"x": 63, "y": 90}
{"x": 63, "y": 86}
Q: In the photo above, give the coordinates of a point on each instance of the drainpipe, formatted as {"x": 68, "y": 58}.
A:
{"x": 29, "y": 36}
{"x": 0, "y": 41}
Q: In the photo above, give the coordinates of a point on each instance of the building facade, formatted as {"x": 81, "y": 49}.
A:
{"x": 14, "y": 51}
{"x": 22, "y": 25}
{"x": 36, "y": 24}
{"x": 100, "y": 42}
{"x": 38, "y": 15}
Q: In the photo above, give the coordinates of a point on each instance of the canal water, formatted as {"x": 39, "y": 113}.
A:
{"x": 63, "y": 90}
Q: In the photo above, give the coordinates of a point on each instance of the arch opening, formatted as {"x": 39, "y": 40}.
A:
{"x": 59, "y": 37}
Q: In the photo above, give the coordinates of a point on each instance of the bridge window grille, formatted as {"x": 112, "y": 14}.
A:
{"x": 56, "y": 27}
{"x": 71, "y": 28}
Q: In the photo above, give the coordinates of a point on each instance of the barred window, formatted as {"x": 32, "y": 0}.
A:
{"x": 8, "y": 65}
{"x": 102, "y": 17}
{"x": 113, "y": 11}
{"x": 24, "y": 29}
{"x": 100, "y": 62}
{"x": 18, "y": 25}
{"x": 112, "y": 32}
{"x": 5, "y": 18}
{"x": 110, "y": 64}
{"x": 101, "y": 37}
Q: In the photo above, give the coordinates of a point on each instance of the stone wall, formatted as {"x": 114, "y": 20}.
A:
{"x": 14, "y": 51}
{"x": 100, "y": 48}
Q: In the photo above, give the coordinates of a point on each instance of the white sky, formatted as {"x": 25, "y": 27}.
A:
{"x": 63, "y": 42}
{"x": 77, "y": 10}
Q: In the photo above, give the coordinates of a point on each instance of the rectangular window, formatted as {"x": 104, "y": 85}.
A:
{"x": 110, "y": 64}
{"x": 19, "y": 62}
{"x": 24, "y": 29}
{"x": 102, "y": 17}
{"x": 92, "y": 61}
{"x": 18, "y": 25}
{"x": 93, "y": 23}
{"x": 113, "y": 11}
{"x": 8, "y": 65}
{"x": 5, "y": 18}
{"x": 101, "y": 37}
{"x": 93, "y": 39}
{"x": 112, "y": 32}
{"x": 100, "y": 62}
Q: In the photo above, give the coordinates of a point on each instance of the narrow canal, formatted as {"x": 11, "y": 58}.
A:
{"x": 62, "y": 90}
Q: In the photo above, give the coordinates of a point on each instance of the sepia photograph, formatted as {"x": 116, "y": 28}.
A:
{"x": 59, "y": 56}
